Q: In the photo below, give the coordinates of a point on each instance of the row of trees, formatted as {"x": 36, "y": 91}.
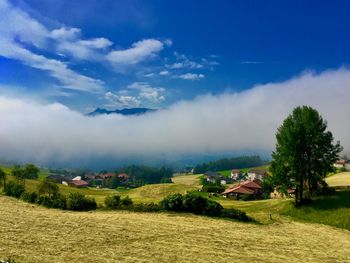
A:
{"x": 229, "y": 163}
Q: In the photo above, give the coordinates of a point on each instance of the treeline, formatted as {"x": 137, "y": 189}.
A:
{"x": 229, "y": 163}
{"x": 141, "y": 175}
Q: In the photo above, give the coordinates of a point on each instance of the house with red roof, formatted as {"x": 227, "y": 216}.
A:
{"x": 249, "y": 187}
{"x": 78, "y": 183}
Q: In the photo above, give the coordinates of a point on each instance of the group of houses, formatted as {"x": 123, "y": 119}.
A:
{"x": 249, "y": 183}
{"x": 90, "y": 179}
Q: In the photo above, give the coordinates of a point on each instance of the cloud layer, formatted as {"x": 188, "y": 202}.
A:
{"x": 228, "y": 122}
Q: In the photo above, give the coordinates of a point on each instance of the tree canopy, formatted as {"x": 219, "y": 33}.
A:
{"x": 304, "y": 153}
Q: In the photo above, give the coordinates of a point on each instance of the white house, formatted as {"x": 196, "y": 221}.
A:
{"x": 340, "y": 164}
{"x": 257, "y": 174}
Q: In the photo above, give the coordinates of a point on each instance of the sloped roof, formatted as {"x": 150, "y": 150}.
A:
{"x": 254, "y": 184}
{"x": 240, "y": 189}
{"x": 79, "y": 183}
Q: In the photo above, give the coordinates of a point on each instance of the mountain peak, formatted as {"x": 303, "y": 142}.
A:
{"x": 126, "y": 111}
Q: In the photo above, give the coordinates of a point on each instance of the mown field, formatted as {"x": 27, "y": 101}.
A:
{"x": 331, "y": 210}
{"x": 341, "y": 179}
{"x": 35, "y": 234}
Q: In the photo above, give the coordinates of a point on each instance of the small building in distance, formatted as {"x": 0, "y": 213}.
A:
{"x": 235, "y": 174}
{"x": 340, "y": 164}
{"x": 213, "y": 177}
{"x": 258, "y": 174}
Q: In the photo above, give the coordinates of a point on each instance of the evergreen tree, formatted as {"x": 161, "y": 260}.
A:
{"x": 304, "y": 154}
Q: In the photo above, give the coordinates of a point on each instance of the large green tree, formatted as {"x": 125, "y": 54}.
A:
{"x": 18, "y": 172}
{"x": 305, "y": 153}
{"x": 31, "y": 171}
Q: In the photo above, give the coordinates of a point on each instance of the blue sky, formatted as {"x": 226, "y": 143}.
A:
{"x": 116, "y": 54}
{"x": 225, "y": 73}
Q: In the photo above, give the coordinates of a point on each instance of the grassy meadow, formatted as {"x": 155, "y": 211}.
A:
{"x": 35, "y": 234}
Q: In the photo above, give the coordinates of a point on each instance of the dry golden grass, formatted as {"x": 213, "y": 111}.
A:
{"x": 341, "y": 179}
{"x": 36, "y": 234}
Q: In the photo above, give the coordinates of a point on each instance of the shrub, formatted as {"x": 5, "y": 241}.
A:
{"x": 126, "y": 201}
{"x": 30, "y": 197}
{"x": 172, "y": 202}
{"x": 213, "y": 188}
{"x": 235, "y": 214}
{"x": 113, "y": 202}
{"x": 213, "y": 209}
{"x": 194, "y": 203}
{"x": 78, "y": 202}
{"x": 54, "y": 201}
{"x": 14, "y": 189}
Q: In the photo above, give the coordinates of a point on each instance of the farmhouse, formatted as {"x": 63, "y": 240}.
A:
{"x": 257, "y": 174}
{"x": 123, "y": 177}
{"x": 235, "y": 174}
{"x": 340, "y": 164}
{"x": 78, "y": 183}
{"x": 213, "y": 177}
{"x": 249, "y": 187}
{"x": 104, "y": 176}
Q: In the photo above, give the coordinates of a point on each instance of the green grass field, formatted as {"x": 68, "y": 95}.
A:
{"x": 31, "y": 233}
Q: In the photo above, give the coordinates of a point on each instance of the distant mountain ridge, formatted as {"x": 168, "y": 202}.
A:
{"x": 126, "y": 112}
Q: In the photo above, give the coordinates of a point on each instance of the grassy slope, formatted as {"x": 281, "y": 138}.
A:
{"x": 36, "y": 234}
{"x": 334, "y": 210}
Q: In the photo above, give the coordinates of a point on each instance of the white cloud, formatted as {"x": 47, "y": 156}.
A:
{"x": 190, "y": 76}
{"x": 20, "y": 27}
{"x": 122, "y": 101}
{"x": 182, "y": 61}
{"x": 66, "y": 33}
{"x": 137, "y": 53}
{"x": 209, "y": 124}
{"x": 164, "y": 73}
{"x": 146, "y": 91}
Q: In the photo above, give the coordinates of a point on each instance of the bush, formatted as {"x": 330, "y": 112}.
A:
{"x": 126, "y": 201}
{"x": 194, "y": 203}
{"x": 30, "y": 197}
{"x": 213, "y": 209}
{"x": 235, "y": 214}
{"x": 172, "y": 202}
{"x": 113, "y": 202}
{"x": 14, "y": 189}
{"x": 55, "y": 201}
{"x": 78, "y": 202}
{"x": 213, "y": 188}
